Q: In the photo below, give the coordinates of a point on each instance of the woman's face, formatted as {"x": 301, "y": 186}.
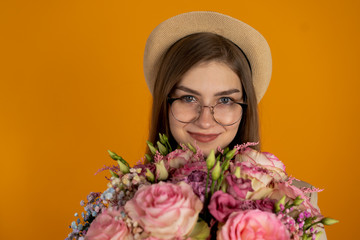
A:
{"x": 208, "y": 83}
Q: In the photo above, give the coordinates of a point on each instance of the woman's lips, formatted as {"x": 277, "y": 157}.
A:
{"x": 203, "y": 137}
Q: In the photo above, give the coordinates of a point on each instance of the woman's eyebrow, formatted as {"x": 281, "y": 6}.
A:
{"x": 185, "y": 89}
{"x": 227, "y": 92}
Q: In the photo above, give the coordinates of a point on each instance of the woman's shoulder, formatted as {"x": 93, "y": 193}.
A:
{"x": 313, "y": 196}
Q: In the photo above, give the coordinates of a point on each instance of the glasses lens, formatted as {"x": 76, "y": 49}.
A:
{"x": 227, "y": 114}
{"x": 224, "y": 114}
{"x": 185, "y": 111}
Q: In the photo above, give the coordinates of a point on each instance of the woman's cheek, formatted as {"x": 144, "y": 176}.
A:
{"x": 177, "y": 130}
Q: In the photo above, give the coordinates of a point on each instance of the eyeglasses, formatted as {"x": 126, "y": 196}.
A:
{"x": 187, "y": 109}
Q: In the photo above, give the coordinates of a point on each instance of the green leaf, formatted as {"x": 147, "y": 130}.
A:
{"x": 201, "y": 231}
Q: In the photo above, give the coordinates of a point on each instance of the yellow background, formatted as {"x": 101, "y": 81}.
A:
{"x": 71, "y": 87}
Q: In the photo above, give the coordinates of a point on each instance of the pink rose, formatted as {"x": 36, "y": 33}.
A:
{"x": 252, "y": 225}
{"x": 222, "y": 205}
{"x": 108, "y": 225}
{"x": 165, "y": 210}
{"x": 154, "y": 238}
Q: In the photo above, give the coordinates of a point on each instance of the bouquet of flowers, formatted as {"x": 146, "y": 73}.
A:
{"x": 178, "y": 194}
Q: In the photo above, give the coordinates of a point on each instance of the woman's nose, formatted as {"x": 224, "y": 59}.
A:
{"x": 206, "y": 119}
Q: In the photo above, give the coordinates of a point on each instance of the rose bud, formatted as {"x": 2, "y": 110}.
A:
{"x": 151, "y": 147}
{"x": 162, "y": 148}
{"x": 148, "y": 158}
{"x": 191, "y": 147}
{"x": 161, "y": 172}
{"x": 298, "y": 200}
{"x": 230, "y": 154}
{"x": 113, "y": 155}
{"x": 238, "y": 172}
{"x": 329, "y": 221}
{"x": 162, "y": 140}
{"x": 114, "y": 174}
{"x": 123, "y": 168}
{"x": 149, "y": 175}
{"x": 216, "y": 171}
{"x": 210, "y": 160}
{"x": 280, "y": 202}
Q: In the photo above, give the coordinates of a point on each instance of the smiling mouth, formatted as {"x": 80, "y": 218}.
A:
{"x": 204, "y": 138}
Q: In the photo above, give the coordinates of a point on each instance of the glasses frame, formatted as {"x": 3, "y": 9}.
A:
{"x": 171, "y": 100}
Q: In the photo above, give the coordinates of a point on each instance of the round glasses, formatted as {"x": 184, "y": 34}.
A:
{"x": 188, "y": 109}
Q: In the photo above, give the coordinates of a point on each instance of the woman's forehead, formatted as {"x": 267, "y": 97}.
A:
{"x": 210, "y": 77}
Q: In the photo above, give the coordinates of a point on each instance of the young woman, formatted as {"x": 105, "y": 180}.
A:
{"x": 206, "y": 87}
{"x": 207, "y": 72}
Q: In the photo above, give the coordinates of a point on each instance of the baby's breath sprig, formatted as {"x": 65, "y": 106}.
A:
{"x": 92, "y": 208}
{"x": 303, "y": 224}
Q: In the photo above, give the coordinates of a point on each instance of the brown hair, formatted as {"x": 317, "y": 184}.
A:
{"x": 183, "y": 55}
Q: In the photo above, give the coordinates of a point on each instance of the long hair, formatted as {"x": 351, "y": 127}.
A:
{"x": 183, "y": 55}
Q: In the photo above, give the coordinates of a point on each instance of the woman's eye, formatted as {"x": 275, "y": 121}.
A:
{"x": 189, "y": 99}
{"x": 226, "y": 100}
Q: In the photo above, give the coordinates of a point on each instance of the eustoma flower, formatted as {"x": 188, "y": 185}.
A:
{"x": 108, "y": 225}
{"x": 179, "y": 158}
{"x": 238, "y": 187}
{"x": 291, "y": 192}
{"x": 266, "y": 160}
{"x": 165, "y": 210}
{"x": 252, "y": 225}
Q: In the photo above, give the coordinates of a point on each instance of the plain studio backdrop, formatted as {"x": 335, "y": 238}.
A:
{"x": 72, "y": 86}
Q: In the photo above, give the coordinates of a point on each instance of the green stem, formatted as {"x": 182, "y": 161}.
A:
{"x": 308, "y": 227}
{"x": 168, "y": 144}
{"x": 212, "y": 187}
{"x": 220, "y": 181}
{"x": 222, "y": 174}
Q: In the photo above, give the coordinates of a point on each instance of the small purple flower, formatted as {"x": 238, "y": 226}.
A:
{"x": 282, "y": 208}
{"x": 197, "y": 180}
{"x": 301, "y": 224}
{"x": 307, "y": 213}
